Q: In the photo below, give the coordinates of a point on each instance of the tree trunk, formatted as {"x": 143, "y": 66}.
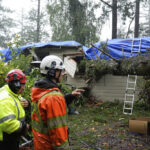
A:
{"x": 22, "y": 23}
{"x": 114, "y": 19}
{"x": 38, "y": 23}
{"x": 137, "y": 12}
{"x": 77, "y": 20}
{"x": 149, "y": 20}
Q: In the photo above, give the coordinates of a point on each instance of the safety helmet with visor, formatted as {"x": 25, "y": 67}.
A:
{"x": 15, "y": 78}
{"x": 50, "y": 64}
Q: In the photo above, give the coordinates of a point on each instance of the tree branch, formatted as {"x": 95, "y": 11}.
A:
{"x": 106, "y": 3}
{"x": 106, "y": 53}
{"x": 130, "y": 25}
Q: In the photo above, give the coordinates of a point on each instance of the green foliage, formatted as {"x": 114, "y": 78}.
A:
{"x": 19, "y": 60}
{"x": 138, "y": 65}
{"x": 31, "y": 77}
{"x": 28, "y": 25}
{"x": 142, "y": 103}
{"x": 16, "y": 62}
{"x": 78, "y": 101}
{"x": 99, "y": 125}
{"x": 95, "y": 69}
{"x": 73, "y": 20}
{"x": 4, "y": 69}
{"x": 6, "y": 25}
{"x": 83, "y": 21}
{"x": 65, "y": 88}
{"x": 144, "y": 95}
{"x": 59, "y": 20}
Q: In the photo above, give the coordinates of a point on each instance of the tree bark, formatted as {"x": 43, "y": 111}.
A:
{"x": 106, "y": 3}
{"x": 130, "y": 26}
{"x": 137, "y": 12}
{"x": 38, "y": 23}
{"x": 114, "y": 19}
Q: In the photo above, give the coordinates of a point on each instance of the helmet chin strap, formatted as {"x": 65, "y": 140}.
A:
{"x": 14, "y": 86}
{"x": 57, "y": 79}
{"x": 54, "y": 78}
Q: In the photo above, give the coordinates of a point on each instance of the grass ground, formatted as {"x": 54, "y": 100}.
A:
{"x": 105, "y": 127}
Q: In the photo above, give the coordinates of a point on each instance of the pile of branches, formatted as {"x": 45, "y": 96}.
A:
{"x": 139, "y": 65}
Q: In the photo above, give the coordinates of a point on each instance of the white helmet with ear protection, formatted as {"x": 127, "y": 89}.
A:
{"x": 51, "y": 62}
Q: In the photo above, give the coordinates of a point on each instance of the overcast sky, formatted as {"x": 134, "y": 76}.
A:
{"x": 26, "y": 5}
{"x": 17, "y": 4}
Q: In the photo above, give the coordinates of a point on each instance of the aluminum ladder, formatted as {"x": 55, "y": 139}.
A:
{"x": 138, "y": 46}
{"x": 129, "y": 94}
{"x": 131, "y": 81}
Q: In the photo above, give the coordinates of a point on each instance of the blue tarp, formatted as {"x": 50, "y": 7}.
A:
{"x": 118, "y": 48}
{"x": 7, "y": 53}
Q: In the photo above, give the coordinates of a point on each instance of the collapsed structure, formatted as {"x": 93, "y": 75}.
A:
{"x": 110, "y": 87}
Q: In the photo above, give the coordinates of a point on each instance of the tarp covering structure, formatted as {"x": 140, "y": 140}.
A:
{"x": 119, "y": 48}
{"x": 6, "y": 53}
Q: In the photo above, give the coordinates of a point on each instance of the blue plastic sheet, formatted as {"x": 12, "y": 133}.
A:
{"x": 119, "y": 48}
{"x": 6, "y": 53}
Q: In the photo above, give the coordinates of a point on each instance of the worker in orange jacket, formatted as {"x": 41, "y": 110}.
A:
{"x": 49, "y": 115}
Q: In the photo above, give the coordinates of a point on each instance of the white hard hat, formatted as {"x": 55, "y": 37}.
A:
{"x": 51, "y": 62}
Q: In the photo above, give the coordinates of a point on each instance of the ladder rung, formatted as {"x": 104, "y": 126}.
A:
{"x": 128, "y": 101}
{"x": 128, "y": 108}
{"x": 130, "y": 88}
{"x": 129, "y": 95}
{"x": 136, "y": 39}
{"x": 136, "y": 45}
{"x": 131, "y": 75}
{"x": 135, "y": 51}
{"x": 127, "y": 113}
{"x": 131, "y": 82}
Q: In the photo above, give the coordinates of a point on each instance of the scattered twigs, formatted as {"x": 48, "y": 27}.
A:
{"x": 96, "y": 148}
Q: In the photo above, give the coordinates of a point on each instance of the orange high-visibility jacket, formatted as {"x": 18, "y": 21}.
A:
{"x": 48, "y": 116}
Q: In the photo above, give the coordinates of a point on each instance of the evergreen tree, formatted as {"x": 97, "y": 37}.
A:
{"x": 73, "y": 20}
{"x": 6, "y": 24}
{"x": 33, "y": 27}
{"x": 59, "y": 20}
{"x": 121, "y": 10}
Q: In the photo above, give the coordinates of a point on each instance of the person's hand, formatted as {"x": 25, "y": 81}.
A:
{"x": 77, "y": 92}
{"x": 24, "y": 102}
{"x": 27, "y": 126}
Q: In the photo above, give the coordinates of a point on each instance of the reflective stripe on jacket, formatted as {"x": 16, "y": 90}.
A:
{"x": 11, "y": 111}
{"x": 49, "y": 124}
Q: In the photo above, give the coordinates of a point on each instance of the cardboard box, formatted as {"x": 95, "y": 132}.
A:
{"x": 140, "y": 125}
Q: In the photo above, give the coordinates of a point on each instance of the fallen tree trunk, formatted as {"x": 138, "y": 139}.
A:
{"x": 139, "y": 65}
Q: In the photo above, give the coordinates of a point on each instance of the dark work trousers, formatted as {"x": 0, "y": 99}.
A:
{"x": 10, "y": 142}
